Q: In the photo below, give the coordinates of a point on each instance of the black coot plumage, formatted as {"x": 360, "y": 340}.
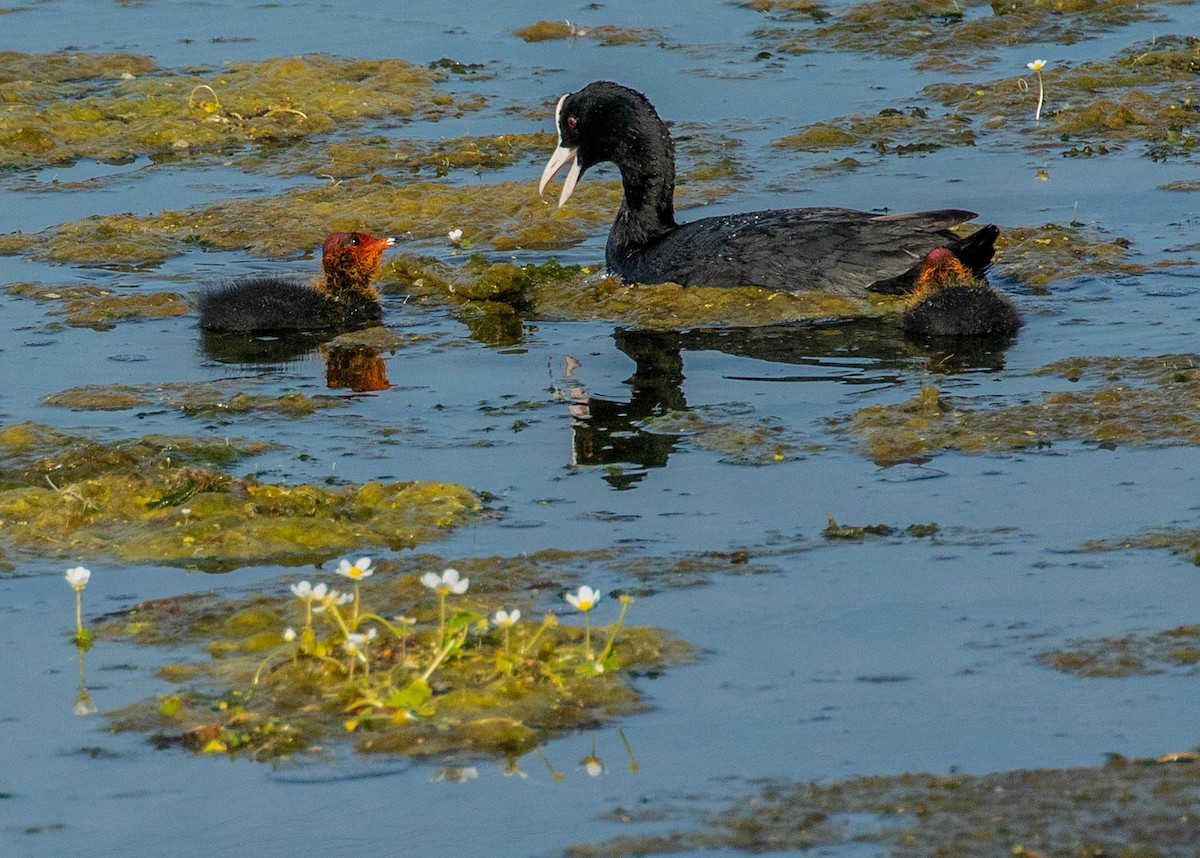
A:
{"x": 342, "y": 299}
{"x": 949, "y": 301}
{"x": 834, "y": 250}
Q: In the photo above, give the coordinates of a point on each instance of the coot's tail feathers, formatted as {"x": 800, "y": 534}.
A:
{"x": 975, "y": 251}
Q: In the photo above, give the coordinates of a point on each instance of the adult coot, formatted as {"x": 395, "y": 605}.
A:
{"x": 835, "y": 250}
{"x": 341, "y": 299}
{"x": 949, "y": 301}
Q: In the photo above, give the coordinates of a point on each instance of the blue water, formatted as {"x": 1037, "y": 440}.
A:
{"x": 781, "y": 690}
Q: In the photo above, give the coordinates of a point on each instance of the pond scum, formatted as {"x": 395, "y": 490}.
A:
{"x": 164, "y": 499}
{"x": 1143, "y": 401}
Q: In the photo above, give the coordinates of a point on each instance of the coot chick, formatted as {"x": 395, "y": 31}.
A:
{"x": 841, "y": 251}
{"x": 340, "y": 300}
{"x": 949, "y": 301}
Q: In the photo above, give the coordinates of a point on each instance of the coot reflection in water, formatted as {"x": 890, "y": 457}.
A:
{"x": 873, "y": 352}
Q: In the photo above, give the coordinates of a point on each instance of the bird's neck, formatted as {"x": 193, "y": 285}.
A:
{"x": 347, "y": 278}
{"x": 648, "y": 174}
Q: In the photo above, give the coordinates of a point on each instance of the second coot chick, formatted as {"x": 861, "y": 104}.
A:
{"x": 949, "y": 301}
{"x": 835, "y": 250}
{"x": 342, "y": 299}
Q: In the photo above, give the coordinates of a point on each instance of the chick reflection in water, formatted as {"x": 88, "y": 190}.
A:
{"x": 357, "y": 368}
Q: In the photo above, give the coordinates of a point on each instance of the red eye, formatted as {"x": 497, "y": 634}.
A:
{"x": 572, "y": 122}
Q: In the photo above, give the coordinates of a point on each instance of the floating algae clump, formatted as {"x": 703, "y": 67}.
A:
{"x": 160, "y": 499}
{"x": 99, "y": 308}
{"x": 300, "y": 672}
{"x": 1146, "y": 401}
{"x": 1147, "y": 93}
{"x": 505, "y": 215}
{"x": 740, "y": 437}
{"x": 605, "y": 34}
{"x": 115, "y": 107}
{"x": 193, "y": 399}
{"x": 1173, "y": 650}
{"x": 889, "y": 131}
{"x": 1038, "y": 256}
{"x": 936, "y": 29}
{"x": 1127, "y": 808}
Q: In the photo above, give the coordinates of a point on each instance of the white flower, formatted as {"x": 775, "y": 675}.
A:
{"x": 585, "y": 599}
{"x": 330, "y": 599}
{"x": 289, "y": 634}
{"x": 405, "y": 620}
{"x": 455, "y": 236}
{"x": 359, "y": 570}
{"x": 308, "y": 592}
{"x": 593, "y": 766}
{"x": 1036, "y": 65}
{"x": 447, "y": 582}
{"x": 78, "y": 576}
{"x": 504, "y": 619}
{"x": 356, "y": 643}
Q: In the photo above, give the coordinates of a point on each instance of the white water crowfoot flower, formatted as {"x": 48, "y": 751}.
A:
{"x": 308, "y": 594}
{"x": 585, "y": 598}
{"x": 1036, "y": 67}
{"x": 448, "y": 582}
{"x": 289, "y": 634}
{"x": 78, "y": 577}
{"x": 356, "y": 647}
{"x": 506, "y": 620}
{"x": 332, "y": 599}
{"x": 444, "y": 584}
{"x": 356, "y": 571}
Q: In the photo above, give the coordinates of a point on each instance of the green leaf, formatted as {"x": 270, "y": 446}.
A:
{"x": 412, "y": 696}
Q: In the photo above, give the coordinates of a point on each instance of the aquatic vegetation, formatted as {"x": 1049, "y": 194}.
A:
{"x": 1146, "y": 94}
{"x": 204, "y": 399}
{"x": 1174, "y": 650}
{"x": 158, "y": 499}
{"x": 455, "y": 690}
{"x": 114, "y": 107}
{"x": 940, "y": 33}
{"x": 1184, "y": 541}
{"x": 412, "y": 157}
{"x": 734, "y": 431}
{"x": 787, "y": 10}
{"x": 1145, "y": 401}
{"x": 605, "y": 34}
{"x": 1126, "y": 807}
{"x": 890, "y": 131}
{"x": 1037, "y": 256}
{"x": 78, "y": 577}
{"x": 99, "y": 308}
